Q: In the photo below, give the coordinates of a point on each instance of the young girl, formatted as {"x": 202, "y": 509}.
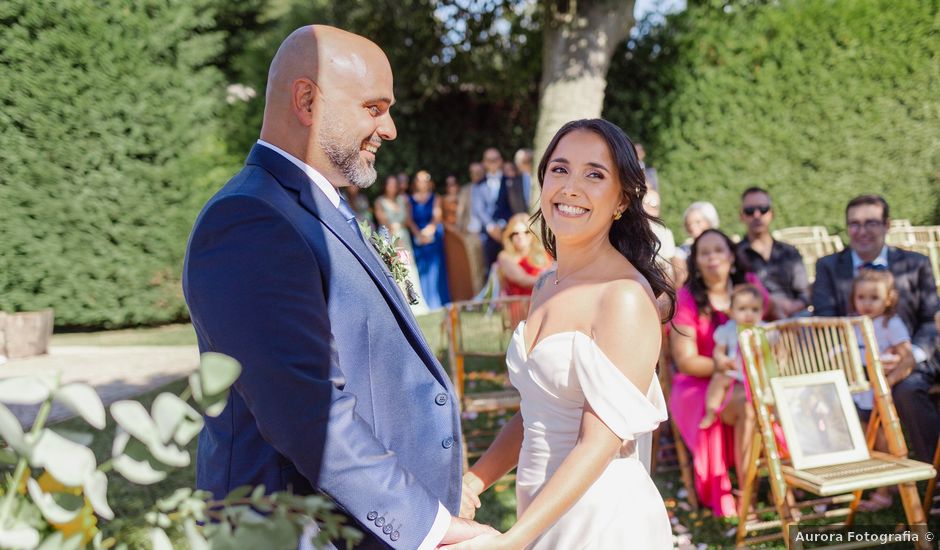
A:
{"x": 747, "y": 306}
{"x": 874, "y": 296}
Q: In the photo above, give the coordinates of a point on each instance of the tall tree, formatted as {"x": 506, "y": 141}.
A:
{"x": 579, "y": 39}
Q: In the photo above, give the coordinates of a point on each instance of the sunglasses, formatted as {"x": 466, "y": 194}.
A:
{"x": 750, "y": 210}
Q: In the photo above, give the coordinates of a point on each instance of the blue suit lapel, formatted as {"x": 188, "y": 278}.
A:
{"x": 312, "y": 199}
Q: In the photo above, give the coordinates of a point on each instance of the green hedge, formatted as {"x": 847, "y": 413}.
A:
{"x": 108, "y": 146}
{"x": 817, "y": 100}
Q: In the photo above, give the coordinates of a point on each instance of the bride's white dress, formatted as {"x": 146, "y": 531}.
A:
{"x": 623, "y": 508}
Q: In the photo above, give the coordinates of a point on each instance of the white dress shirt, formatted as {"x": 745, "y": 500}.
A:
{"x": 442, "y": 521}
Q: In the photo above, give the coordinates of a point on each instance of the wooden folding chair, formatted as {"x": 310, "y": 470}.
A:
{"x": 929, "y": 499}
{"x": 479, "y": 334}
{"x": 669, "y": 452}
{"x": 806, "y": 232}
{"x": 808, "y": 345}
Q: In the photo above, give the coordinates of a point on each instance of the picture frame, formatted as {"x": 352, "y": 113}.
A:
{"x": 819, "y": 419}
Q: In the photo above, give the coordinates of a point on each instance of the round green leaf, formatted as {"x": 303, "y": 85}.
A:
{"x": 70, "y": 463}
{"x": 169, "y": 411}
{"x": 48, "y": 506}
{"x": 19, "y": 536}
{"x": 217, "y": 372}
{"x": 137, "y": 471}
{"x": 11, "y": 431}
{"x": 25, "y": 390}
{"x": 96, "y": 490}
{"x": 159, "y": 540}
{"x": 84, "y": 401}
{"x": 135, "y": 420}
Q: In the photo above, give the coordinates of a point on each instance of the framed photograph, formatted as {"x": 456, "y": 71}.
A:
{"x": 819, "y": 419}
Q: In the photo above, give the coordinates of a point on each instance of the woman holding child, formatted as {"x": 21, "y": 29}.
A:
{"x": 701, "y": 307}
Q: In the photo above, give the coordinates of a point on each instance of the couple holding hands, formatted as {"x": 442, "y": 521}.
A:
{"x": 339, "y": 391}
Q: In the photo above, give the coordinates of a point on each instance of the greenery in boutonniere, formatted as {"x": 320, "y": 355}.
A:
{"x": 395, "y": 258}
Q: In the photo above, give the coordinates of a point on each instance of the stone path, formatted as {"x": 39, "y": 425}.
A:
{"x": 116, "y": 373}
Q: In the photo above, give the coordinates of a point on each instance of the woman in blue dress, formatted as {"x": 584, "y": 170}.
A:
{"x": 427, "y": 233}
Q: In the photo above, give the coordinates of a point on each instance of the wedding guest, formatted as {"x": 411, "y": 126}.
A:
{"x": 867, "y": 220}
{"x": 652, "y": 179}
{"x": 492, "y": 206}
{"x": 427, "y": 234}
{"x": 359, "y": 204}
{"x": 523, "y": 160}
{"x": 523, "y": 257}
{"x": 702, "y": 306}
{"x": 698, "y": 217}
{"x": 667, "y": 243}
{"x": 450, "y": 202}
{"x": 403, "y": 183}
{"x": 778, "y": 265}
{"x": 393, "y": 212}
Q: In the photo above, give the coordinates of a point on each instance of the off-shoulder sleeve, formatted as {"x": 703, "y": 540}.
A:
{"x": 626, "y": 410}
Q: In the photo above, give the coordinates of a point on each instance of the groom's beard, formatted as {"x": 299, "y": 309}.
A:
{"x": 344, "y": 154}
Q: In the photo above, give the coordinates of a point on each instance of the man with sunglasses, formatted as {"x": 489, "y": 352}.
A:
{"x": 911, "y": 376}
{"x": 778, "y": 265}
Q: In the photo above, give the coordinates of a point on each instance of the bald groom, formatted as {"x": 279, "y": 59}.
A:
{"x": 339, "y": 391}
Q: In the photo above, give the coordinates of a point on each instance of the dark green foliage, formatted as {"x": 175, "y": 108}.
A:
{"x": 108, "y": 146}
{"x": 460, "y": 85}
{"x": 816, "y": 100}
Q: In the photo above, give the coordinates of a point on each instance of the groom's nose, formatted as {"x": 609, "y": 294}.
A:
{"x": 386, "y": 129}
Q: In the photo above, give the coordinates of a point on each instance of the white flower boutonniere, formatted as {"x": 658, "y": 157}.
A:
{"x": 396, "y": 259}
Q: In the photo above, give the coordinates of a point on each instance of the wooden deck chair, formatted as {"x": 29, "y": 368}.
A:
{"x": 929, "y": 249}
{"x": 788, "y": 234}
{"x": 923, "y": 234}
{"x": 669, "y": 451}
{"x": 479, "y": 334}
{"x": 812, "y": 345}
{"x": 932, "y": 502}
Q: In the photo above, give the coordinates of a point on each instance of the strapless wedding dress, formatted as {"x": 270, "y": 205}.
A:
{"x": 623, "y": 508}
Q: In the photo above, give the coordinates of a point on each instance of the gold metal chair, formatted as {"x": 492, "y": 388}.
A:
{"x": 479, "y": 334}
{"x": 809, "y": 345}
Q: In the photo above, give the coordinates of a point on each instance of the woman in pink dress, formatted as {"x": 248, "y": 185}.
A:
{"x": 700, "y": 309}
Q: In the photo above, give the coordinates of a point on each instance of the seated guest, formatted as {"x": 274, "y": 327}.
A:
{"x": 779, "y": 266}
{"x": 701, "y": 307}
{"x": 523, "y": 257}
{"x": 698, "y": 217}
{"x": 867, "y": 222}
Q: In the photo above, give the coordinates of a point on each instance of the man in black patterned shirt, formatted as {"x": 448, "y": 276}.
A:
{"x": 778, "y": 265}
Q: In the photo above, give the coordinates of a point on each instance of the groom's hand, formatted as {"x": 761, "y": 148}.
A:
{"x": 461, "y": 529}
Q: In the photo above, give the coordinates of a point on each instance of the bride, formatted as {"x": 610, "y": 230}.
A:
{"x": 584, "y": 363}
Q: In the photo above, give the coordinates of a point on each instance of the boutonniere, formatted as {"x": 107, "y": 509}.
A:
{"x": 396, "y": 259}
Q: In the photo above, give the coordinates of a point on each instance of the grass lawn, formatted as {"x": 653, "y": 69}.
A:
{"x": 131, "y": 502}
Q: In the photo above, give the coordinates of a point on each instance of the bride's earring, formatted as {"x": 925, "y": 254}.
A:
{"x": 618, "y": 215}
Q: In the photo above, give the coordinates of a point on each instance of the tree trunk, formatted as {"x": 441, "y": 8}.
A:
{"x": 580, "y": 39}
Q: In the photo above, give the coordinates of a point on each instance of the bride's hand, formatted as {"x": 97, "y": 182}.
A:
{"x": 470, "y": 495}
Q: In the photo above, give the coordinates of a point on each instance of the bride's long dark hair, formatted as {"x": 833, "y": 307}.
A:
{"x": 632, "y": 235}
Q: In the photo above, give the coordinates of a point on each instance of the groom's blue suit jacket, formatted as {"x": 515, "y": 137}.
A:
{"x": 339, "y": 391}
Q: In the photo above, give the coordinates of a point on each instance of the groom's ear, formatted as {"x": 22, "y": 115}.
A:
{"x": 303, "y": 94}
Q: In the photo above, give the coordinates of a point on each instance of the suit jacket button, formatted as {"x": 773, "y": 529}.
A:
{"x": 372, "y": 515}
{"x": 441, "y": 399}
{"x": 448, "y": 443}
{"x": 387, "y": 529}
{"x": 394, "y": 536}
{"x": 380, "y": 521}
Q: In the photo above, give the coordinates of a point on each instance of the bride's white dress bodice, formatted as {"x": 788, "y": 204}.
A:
{"x": 623, "y": 508}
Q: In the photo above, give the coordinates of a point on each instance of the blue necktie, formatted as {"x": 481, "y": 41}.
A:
{"x": 350, "y": 216}
{"x": 874, "y": 266}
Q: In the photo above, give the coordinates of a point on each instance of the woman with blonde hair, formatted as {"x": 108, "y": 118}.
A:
{"x": 522, "y": 258}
